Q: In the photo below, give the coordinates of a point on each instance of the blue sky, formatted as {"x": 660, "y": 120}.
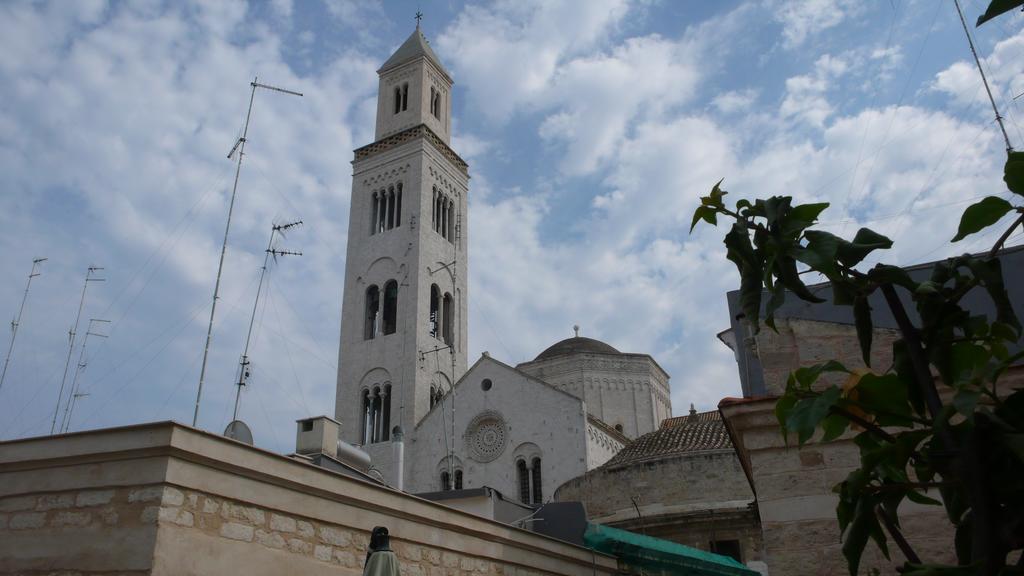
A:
{"x": 591, "y": 128}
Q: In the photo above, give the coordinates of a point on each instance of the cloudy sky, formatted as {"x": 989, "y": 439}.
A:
{"x": 591, "y": 128}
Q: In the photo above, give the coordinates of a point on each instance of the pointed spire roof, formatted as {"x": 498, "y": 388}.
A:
{"x": 414, "y": 47}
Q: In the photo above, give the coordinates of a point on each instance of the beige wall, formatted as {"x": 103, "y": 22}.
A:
{"x": 691, "y": 499}
{"x": 794, "y": 486}
{"x": 167, "y": 499}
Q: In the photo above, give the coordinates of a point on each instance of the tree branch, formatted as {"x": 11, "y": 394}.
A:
{"x": 1005, "y": 236}
{"x": 897, "y": 536}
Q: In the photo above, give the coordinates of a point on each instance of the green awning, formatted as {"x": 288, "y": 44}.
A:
{"x": 657, "y": 556}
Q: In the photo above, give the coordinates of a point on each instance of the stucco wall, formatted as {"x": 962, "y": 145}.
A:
{"x": 167, "y": 499}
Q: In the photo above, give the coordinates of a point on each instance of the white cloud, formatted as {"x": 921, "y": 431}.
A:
{"x": 508, "y": 54}
{"x": 735, "y": 101}
{"x": 805, "y": 19}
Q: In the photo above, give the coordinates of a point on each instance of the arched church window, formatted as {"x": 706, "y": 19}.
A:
{"x": 372, "y": 308}
{"x": 398, "y": 99}
{"x": 391, "y": 207}
{"x": 451, "y": 222}
{"x": 433, "y": 101}
{"x": 373, "y": 215}
{"x": 435, "y": 104}
{"x": 390, "y": 307}
{"x": 382, "y": 210}
{"x": 375, "y": 413}
{"x": 458, "y": 479}
{"x": 405, "y": 96}
{"x": 385, "y": 417}
{"x": 444, "y": 217}
{"x": 449, "y": 314}
{"x": 398, "y": 205}
{"x": 437, "y": 210}
{"x": 538, "y": 495}
{"x": 446, "y": 481}
{"x": 435, "y": 304}
{"x": 433, "y": 208}
{"x": 524, "y": 481}
{"x": 364, "y": 401}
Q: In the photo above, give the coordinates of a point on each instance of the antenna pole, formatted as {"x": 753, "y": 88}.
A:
{"x": 69, "y": 408}
{"x": 17, "y": 322}
{"x": 240, "y": 146}
{"x": 970, "y": 41}
{"x": 270, "y": 251}
{"x": 71, "y": 341}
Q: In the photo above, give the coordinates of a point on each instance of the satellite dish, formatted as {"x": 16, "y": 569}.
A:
{"x": 237, "y": 430}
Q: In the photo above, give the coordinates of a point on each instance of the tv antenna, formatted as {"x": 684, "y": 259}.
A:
{"x": 17, "y": 321}
{"x": 240, "y": 148}
{"x": 984, "y": 80}
{"x": 69, "y": 408}
{"x": 71, "y": 340}
{"x": 245, "y": 369}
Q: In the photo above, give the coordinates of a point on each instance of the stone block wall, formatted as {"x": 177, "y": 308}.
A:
{"x": 193, "y": 503}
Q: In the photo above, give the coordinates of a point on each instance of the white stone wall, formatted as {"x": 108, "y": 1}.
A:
{"x": 417, "y": 257}
{"x": 628, "y": 390}
{"x": 601, "y": 446}
{"x": 538, "y": 420}
{"x": 421, "y": 75}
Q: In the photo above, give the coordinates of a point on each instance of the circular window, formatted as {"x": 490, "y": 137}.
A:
{"x": 618, "y": 427}
{"x": 486, "y": 436}
{"x": 486, "y": 384}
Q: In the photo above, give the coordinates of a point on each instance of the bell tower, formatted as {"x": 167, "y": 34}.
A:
{"x": 404, "y": 307}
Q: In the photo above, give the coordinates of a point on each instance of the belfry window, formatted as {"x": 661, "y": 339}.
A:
{"x": 386, "y": 209}
{"x": 436, "y": 105}
{"x": 450, "y": 220}
{"x": 458, "y": 479}
{"x": 405, "y": 97}
{"x": 445, "y": 481}
{"x": 449, "y": 315}
{"x": 391, "y": 207}
{"x": 398, "y": 99}
{"x": 435, "y": 304}
{"x": 390, "y": 307}
{"x": 433, "y": 102}
{"x": 376, "y": 405}
{"x": 372, "y": 310}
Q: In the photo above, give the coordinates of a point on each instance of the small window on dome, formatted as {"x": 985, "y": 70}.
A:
{"x": 486, "y": 384}
{"x": 618, "y": 428}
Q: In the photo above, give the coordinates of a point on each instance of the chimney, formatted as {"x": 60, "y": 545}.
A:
{"x": 317, "y": 435}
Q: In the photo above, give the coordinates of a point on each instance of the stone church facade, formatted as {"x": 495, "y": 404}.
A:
{"x": 403, "y": 372}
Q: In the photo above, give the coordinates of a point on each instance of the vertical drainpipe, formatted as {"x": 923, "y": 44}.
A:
{"x": 398, "y": 457}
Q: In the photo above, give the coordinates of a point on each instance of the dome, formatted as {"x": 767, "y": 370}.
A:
{"x": 576, "y": 345}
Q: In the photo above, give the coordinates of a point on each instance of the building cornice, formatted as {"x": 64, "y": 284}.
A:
{"x": 421, "y": 131}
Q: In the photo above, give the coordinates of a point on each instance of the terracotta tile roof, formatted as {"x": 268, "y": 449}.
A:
{"x": 697, "y": 432}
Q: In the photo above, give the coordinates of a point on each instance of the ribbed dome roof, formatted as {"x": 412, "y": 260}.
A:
{"x": 575, "y": 345}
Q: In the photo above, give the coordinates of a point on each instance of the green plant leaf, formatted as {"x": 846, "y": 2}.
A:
{"x": 807, "y": 413}
{"x": 865, "y": 242}
{"x": 705, "y": 213}
{"x": 981, "y": 215}
{"x": 965, "y": 402}
{"x": 997, "y": 7}
{"x": 1013, "y": 173}
{"x": 885, "y": 396}
{"x": 915, "y": 496}
{"x": 833, "y": 427}
{"x": 865, "y": 328}
{"x": 990, "y": 272}
{"x": 855, "y": 538}
{"x": 806, "y": 376}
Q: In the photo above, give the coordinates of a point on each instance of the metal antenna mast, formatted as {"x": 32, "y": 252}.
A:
{"x": 240, "y": 147}
{"x": 244, "y": 372}
{"x": 69, "y": 407}
{"x": 71, "y": 340}
{"x": 970, "y": 41}
{"x": 17, "y": 321}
